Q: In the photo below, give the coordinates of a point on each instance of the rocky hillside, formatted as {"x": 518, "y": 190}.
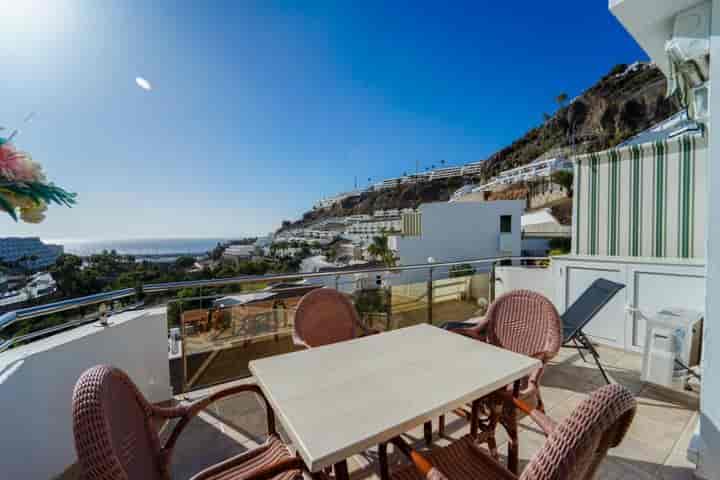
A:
{"x": 626, "y": 101}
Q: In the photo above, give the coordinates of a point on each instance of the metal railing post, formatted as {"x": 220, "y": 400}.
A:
{"x": 491, "y": 286}
{"x": 183, "y": 349}
{"x": 430, "y": 296}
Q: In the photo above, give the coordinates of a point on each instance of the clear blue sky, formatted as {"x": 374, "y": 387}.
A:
{"x": 259, "y": 108}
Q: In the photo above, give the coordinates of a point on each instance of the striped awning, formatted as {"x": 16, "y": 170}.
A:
{"x": 645, "y": 200}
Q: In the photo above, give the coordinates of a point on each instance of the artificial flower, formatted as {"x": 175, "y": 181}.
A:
{"x": 35, "y": 214}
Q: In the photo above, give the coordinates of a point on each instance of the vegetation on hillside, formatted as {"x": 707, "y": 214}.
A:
{"x": 109, "y": 271}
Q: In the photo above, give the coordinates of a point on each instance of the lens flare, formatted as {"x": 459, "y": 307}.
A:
{"x": 142, "y": 83}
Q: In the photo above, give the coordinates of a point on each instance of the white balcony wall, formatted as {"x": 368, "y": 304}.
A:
{"x": 650, "y": 285}
{"x": 536, "y": 279}
{"x": 37, "y": 381}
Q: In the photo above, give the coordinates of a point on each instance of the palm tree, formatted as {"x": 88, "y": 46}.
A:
{"x": 380, "y": 250}
{"x": 561, "y": 99}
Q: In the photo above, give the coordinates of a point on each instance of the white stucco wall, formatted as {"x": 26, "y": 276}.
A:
{"x": 535, "y": 279}
{"x": 461, "y": 231}
{"x": 37, "y": 381}
{"x": 650, "y": 285}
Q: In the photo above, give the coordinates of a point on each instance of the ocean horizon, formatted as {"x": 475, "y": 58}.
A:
{"x": 140, "y": 246}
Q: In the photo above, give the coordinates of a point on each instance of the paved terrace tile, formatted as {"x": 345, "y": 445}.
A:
{"x": 654, "y": 447}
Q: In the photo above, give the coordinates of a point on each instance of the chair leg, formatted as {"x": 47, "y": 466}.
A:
{"x": 540, "y": 403}
{"x": 596, "y": 356}
{"x": 341, "y": 470}
{"x": 428, "y": 433}
{"x": 510, "y": 415}
{"x": 383, "y": 459}
{"x": 441, "y": 425}
{"x": 579, "y": 349}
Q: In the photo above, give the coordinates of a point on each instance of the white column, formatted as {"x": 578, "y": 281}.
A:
{"x": 710, "y": 400}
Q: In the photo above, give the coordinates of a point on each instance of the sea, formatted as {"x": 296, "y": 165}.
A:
{"x": 162, "y": 249}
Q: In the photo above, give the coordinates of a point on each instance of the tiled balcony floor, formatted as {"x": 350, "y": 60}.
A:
{"x": 654, "y": 448}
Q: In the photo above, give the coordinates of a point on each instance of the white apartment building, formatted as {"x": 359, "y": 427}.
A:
{"x": 356, "y": 218}
{"x": 532, "y": 172}
{"x": 30, "y": 252}
{"x": 364, "y": 231}
{"x": 395, "y": 212}
{"x": 469, "y": 169}
{"x": 40, "y": 285}
{"x": 239, "y": 252}
{"x": 330, "y": 201}
{"x": 450, "y": 232}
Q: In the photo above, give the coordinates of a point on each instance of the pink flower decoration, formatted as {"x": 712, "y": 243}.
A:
{"x": 18, "y": 166}
{"x": 8, "y": 161}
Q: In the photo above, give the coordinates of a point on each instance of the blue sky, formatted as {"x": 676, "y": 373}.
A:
{"x": 260, "y": 108}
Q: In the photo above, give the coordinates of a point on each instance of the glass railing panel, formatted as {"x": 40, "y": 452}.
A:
{"x": 221, "y": 334}
{"x": 215, "y": 330}
{"x": 408, "y": 298}
{"x": 460, "y": 293}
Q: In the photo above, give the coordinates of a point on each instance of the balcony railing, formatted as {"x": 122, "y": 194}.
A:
{"x": 217, "y": 326}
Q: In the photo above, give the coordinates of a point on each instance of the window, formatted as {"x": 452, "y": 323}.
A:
{"x": 505, "y": 223}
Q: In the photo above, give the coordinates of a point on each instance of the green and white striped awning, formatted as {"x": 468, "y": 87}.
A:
{"x": 644, "y": 200}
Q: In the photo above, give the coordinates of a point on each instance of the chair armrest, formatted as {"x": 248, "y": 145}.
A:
{"x": 546, "y": 423}
{"x": 476, "y": 331}
{"x": 188, "y": 412}
{"x": 426, "y": 469}
{"x": 421, "y": 463}
{"x": 264, "y": 473}
{"x": 299, "y": 342}
{"x": 469, "y": 332}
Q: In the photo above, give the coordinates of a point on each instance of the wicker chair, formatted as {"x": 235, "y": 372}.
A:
{"x": 573, "y": 450}
{"x": 116, "y": 437}
{"x": 524, "y": 322}
{"x": 326, "y": 316}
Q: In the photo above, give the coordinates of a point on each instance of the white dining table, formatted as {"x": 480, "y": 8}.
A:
{"x": 341, "y": 399}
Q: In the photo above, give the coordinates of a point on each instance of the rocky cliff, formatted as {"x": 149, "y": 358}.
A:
{"x": 626, "y": 101}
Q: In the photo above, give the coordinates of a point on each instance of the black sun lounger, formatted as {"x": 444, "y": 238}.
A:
{"x": 582, "y": 311}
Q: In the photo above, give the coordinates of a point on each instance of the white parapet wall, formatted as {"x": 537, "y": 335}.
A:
{"x": 651, "y": 284}
{"x": 37, "y": 381}
{"x": 536, "y": 279}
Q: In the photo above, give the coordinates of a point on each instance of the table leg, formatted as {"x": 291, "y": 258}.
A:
{"x": 511, "y": 425}
{"x": 428, "y": 433}
{"x": 341, "y": 470}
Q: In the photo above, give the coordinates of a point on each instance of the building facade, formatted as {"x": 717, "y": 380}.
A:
{"x": 29, "y": 252}
{"x": 450, "y": 232}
